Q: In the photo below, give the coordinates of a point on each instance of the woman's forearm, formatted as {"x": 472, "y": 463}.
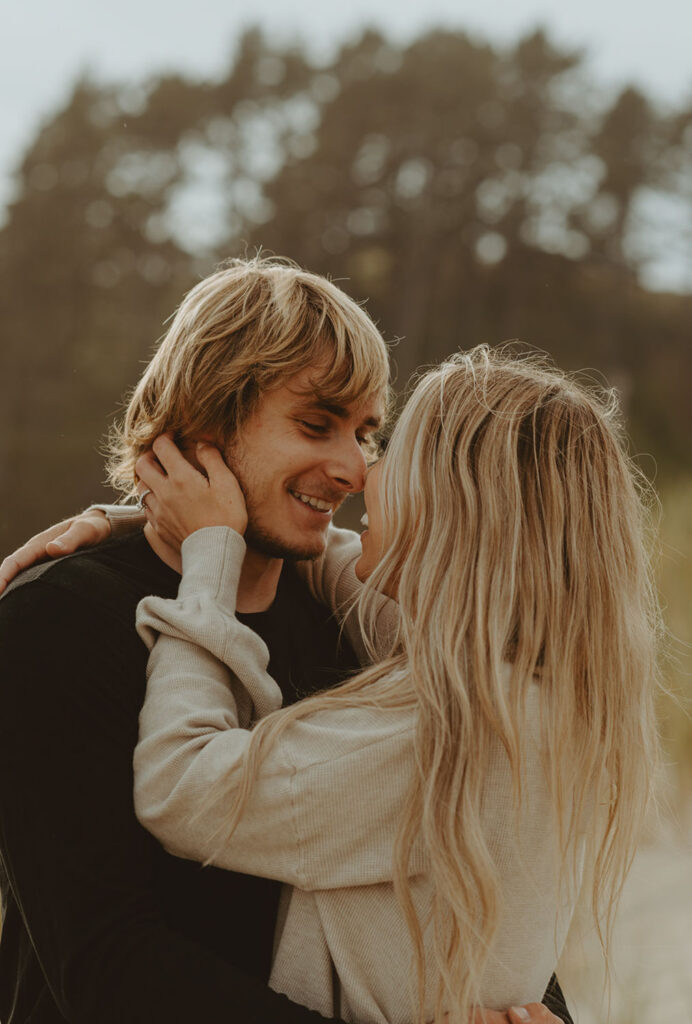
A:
{"x": 333, "y": 581}
{"x": 305, "y": 821}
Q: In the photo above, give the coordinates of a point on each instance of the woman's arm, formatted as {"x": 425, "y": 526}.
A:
{"x": 306, "y": 821}
{"x": 333, "y": 581}
{"x": 91, "y": 527}
{"x": 314, "y": 818}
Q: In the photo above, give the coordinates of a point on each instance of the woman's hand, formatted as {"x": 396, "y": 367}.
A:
{"x": 178, "y": 499}
{"x": 82, "y": 531}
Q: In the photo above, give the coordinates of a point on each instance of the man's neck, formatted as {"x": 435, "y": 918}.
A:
{"x": 259, "y": 576}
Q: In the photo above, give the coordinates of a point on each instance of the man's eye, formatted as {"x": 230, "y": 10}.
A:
{"x": 316, "y": 428}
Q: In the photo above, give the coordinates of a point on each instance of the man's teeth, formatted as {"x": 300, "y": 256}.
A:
{"x": 316, "y": 503}
{"x": 364, "y": 520}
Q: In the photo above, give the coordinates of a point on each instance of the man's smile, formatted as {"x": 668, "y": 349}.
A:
{"x": 317, "y": 504}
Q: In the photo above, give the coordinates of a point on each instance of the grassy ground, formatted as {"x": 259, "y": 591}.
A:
{"x": 675, "y": 585}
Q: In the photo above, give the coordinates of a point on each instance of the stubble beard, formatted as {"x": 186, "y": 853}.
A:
{"x": 266, "y": 543}
{"x": 258, "y": 535}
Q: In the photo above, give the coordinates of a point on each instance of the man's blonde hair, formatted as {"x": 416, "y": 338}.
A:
{"x": 238, "y": 333}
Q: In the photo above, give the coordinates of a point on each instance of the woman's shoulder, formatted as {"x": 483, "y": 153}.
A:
{"x": 357, "y": 735}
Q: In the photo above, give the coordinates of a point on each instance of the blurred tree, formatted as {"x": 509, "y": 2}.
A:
{"x": 121, "y": 200}
{"x": 471, "y": 193}
{"x": 479, "y": 195}
{"x": 627, "y": 143}
{"x": 675, "y": 181}
{"x": 77, "y": 275}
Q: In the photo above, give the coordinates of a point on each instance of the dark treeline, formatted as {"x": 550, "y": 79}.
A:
{"x": 468, "y": 193}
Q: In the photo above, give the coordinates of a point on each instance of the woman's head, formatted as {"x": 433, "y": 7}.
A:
{"x": 508, "y": 521}
{"x": 506, "y": 510}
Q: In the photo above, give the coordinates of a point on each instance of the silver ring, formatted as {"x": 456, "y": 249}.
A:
{"x": 141, "y": 500}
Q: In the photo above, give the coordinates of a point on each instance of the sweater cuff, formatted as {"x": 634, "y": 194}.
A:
{"x": 212, "y": 561}
{"x": 345, "y": 550}
{"x": 123, "y": 518}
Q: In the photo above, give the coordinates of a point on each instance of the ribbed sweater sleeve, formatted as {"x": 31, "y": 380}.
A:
{"x": 332, "y": 580}
{"x": 305, "y": 821}
{"x": 122, "y": 518}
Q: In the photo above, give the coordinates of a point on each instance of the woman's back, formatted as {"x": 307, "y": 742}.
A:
{"x": 347, "y": 951}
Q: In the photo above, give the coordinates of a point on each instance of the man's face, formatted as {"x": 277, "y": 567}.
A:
{"x": 297, "y": 458}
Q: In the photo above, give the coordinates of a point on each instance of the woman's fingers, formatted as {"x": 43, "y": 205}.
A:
{"x": 180, "y": 499}
{"x": 219, "y": 473}
{"x": 224, "y": 486}
{"x": 84, "y": 531}
{"x": 62, "y": 539}
{"x": 213, "y": 462}
{"x": 30, "y": 553}
{"x": 149, "y": 471}
{"x": 174, "y": 464}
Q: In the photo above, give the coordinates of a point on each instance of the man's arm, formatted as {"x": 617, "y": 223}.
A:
{"x": 79, "y": 864}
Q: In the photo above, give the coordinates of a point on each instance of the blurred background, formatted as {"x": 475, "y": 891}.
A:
{"x": 472, "y": 175}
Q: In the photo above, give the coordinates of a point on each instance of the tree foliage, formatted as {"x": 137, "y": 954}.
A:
{"x": 469, "y": 193}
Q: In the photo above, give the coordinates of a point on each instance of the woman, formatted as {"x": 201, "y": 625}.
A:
{"x": 437, "y": 811}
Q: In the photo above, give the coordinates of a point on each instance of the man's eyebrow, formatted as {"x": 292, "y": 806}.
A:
{"x": 341, "y": 412}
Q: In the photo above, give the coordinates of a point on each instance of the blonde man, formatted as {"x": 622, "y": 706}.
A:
{"x": 288, "y": 377}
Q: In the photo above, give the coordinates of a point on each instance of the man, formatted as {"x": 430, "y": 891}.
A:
{"x": 288, "y": 377}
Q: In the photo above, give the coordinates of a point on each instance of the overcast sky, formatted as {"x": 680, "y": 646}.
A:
{"x": 45, "y": 44}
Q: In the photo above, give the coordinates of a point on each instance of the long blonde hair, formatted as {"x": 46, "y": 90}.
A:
{"x": 515, "y": 528}
{"x": 240, "y": 332}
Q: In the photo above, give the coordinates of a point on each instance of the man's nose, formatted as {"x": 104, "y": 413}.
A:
{"x": 347, "y": 465}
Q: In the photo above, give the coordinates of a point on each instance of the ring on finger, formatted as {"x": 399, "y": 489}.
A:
{"x": 141, "y": 500}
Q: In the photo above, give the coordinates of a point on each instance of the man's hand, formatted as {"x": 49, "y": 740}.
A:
{"x": 489, "y": 1017}
{"x": 532, "y": 1013}
{"x": 179, "y": 499}
{"x": 64, "y": 538}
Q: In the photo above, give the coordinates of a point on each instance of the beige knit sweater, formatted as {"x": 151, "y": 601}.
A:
{"x": 323, "y": 814}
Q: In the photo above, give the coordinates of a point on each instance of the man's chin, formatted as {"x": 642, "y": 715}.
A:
{"x": 299, "y": 550}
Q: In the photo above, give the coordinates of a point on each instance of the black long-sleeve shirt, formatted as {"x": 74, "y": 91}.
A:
{"x": 100, "y": 925}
